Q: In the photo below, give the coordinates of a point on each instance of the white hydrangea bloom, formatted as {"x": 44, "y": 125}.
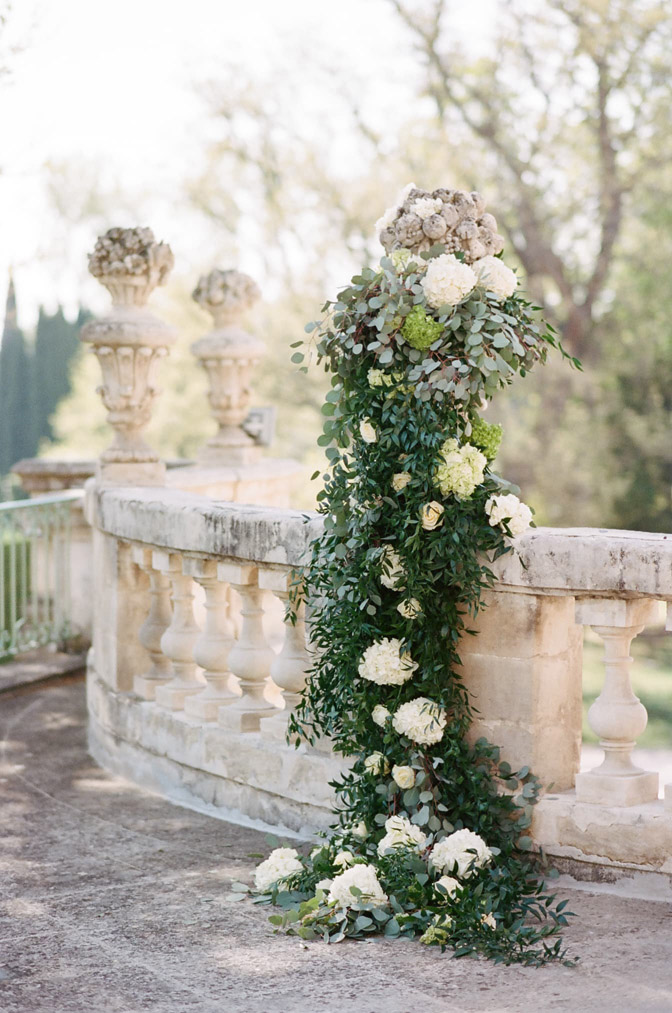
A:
{"x": 380, "y": 715}
{"x": 365, "y": 879}
{"x": 495, "y": 276}
{"x": 449, "y": 884}
{"x": 508, "y": 508}
{"x": 368, "y": 431}
{"x": 384, "y": 663}
{"x": 376, "y": 763}
{"x": 447, "y": 281}
{"x": 279, "y": 866}
{"x": 401, "y": 833}
{"x": 392, "y": 570}
{"x": 400, "y": 480}
{"x": 421, "y": 720}
{"x": 454, "y": 854}
{"x": 410, "y": 608}
{"x": 403, "y": 776}
{"x": 460, "y": 470}
{"x": 425, "y": 207}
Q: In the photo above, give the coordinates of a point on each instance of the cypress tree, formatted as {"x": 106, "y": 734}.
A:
{"x": 56, "y": 344}
{"x": 18, "y": 437}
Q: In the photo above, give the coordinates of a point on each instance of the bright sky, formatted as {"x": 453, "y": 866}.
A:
{"x": 112, "y": 86}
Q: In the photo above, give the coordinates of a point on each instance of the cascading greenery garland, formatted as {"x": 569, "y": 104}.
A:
{"x": 431, "y": 835}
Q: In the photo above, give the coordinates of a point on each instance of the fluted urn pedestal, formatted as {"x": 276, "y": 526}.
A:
{"x": 129, "y": 343}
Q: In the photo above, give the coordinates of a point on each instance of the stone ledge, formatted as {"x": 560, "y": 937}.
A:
{"x": 179, "y": 756}
{"x": 619, "y": 841}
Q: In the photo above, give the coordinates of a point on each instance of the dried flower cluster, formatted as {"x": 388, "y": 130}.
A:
{"x": 227, "y": 292}
{"x": 455, "y": 218}
{"x": 131, "y": 252}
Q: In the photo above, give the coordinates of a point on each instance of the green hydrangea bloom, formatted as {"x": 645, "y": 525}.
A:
{"x": 487, "y": 436}
{"x": 420, "y": 330}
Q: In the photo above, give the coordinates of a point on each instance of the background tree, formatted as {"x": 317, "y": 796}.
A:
{"x": 56, "y": 344}
{"x": 18, "y": 437}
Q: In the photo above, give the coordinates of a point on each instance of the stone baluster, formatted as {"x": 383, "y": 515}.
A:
{"x": 251, "y": 657}
{"x": 178, "y": 641}
{"x": 668, "y": 787}
{"x": 228, "y": 354}
{"x": 212, "y": 648}
{"x": 154, "y": 626}
{"x": 128, "y": 343}
{"x": 288, "y": 670}
{"x": 617, "y": 716}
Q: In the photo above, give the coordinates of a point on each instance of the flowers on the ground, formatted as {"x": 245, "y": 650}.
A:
{"x": 380, "y": 714}
{"x": 386, "y": 664}
{"x": 410, "y": 608}
{"x": 447, "y": 281}
{"x": 364, "y": 878}
{"x": 279, "y": 866}
{"x": 368, "y": 431}
{"x": 449, "y": 884}
{"x": 431, "y": 515}
{"x": 403, "y": 776}
{"x": 392, "y": 570}
{"x": 401, "y": 833}
{"x": 420, "y": 330}
{"x": 460, "y": 469}
{"x": 508, "y": 510}
{"x": 376, "y": 763}
{"x": 400, "y": 480}
{"x": 486, "y": 436}
{"x": 421, "y": 720}
{"x": 495, "y": 276}
{"x": 460, "y": 853}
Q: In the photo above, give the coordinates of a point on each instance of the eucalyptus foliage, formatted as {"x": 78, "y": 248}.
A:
{"x": 413, "y": 401}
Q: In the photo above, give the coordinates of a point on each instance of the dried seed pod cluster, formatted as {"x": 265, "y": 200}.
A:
{"x": 131, "y": 252}
{"x": 455, "y": 218}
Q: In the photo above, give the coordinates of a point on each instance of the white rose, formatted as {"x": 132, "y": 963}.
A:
{"x": 376, "y": 763}
{"x": 344, "y": 859}
{"x": 410, "y": 608}
{"x": 360, "y": 830}
{"x": 432, "y": 515}
{"x": 489, "y": 920}
{"x": 449, "y": 884}
{"x": 392, "y": 569}
{"x": 404, "y": 776}
{"x": 400, "y": 480}
{"x": 380, "y": 715}
{"x": 367, "y": 431}
{"x": 495, "y": 276}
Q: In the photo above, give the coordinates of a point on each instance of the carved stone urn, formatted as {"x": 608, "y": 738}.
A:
{"x": 228, "y": 354}
{"x": 128, "y": 343}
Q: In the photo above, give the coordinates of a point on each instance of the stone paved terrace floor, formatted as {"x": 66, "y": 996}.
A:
{"x": 115, "y": 901}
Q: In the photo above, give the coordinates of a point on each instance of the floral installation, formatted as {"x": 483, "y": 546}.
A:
{"x": 435, "y": 825}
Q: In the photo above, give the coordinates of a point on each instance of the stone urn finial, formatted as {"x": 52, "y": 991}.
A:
{"x": 228, "y": 354}
{"x": 128, "y": 343}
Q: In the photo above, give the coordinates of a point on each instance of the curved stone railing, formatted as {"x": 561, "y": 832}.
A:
{"x": 187, "y": 694}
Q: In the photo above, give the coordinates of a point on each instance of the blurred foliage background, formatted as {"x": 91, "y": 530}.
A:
{"x": 561, "y": 121}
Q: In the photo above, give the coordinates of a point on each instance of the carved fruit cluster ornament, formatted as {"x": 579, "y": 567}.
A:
{"x": 128, "y": 343}
{"x": 455, "y": 218}
{"x": 228, "y": 354}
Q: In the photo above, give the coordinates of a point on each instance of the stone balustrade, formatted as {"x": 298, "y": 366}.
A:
{"x": 188, "y": 695}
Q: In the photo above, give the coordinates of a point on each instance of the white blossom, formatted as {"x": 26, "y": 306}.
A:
{"x": 431, "y": 515}
{"x": 376, "y": 763}
{"x": 495, "y": 276}
{"x": 447, "y": 281}
{"x": 279, "y": 866}
{"x": 344, "y": 859}
{"x": 460, "y": 470}
{"x": 368, "y": 431}
{"x": 403, "y": 776}
{"x": 380, "y": 715}
{"x": 455, "y": 853}
{"x": 365, "y": 879}
{"x": 400, "y": 480}
{"x": 410, "y": 608}
{"x": 385, "y": 664}
{"x": 324, "y": 884}
{"x": 508, "y": 509}
{"x": 401, "y": 833}
{"x": 392, "y": 570}
{"x": 449, "y": 884}
{"x": 421, "y": 720}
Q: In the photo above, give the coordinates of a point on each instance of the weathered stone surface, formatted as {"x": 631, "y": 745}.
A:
{"x": 113, "y": 899}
